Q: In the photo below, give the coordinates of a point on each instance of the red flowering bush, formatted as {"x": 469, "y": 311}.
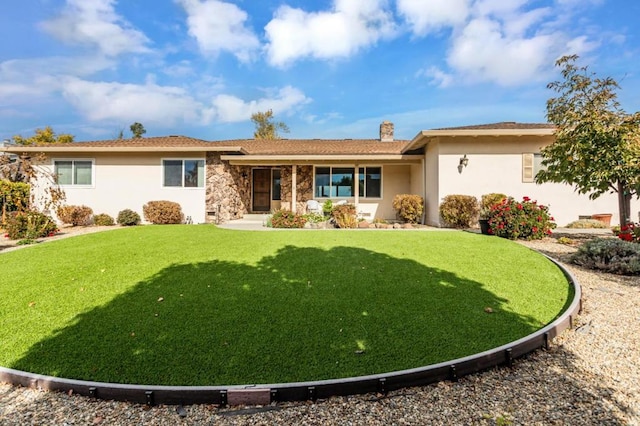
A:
{"x": 524, "y": 219}
{"x": 630, "y": 232}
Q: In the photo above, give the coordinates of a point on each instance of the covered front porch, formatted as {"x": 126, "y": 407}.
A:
{"x": 238, "y": 185}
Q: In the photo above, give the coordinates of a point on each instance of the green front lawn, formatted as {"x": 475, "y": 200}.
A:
{"x": 198, "y": 305}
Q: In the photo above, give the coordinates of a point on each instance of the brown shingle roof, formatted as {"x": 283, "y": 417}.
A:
{"x": 248, "y": 146}
{"x": 503, "y": 125}
{"x": 316, "y": 146}
{"x": 152, "y": 142}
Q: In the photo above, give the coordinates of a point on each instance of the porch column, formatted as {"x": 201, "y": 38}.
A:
{"x": 294, "y": 179}
{"x": 356, "y": 187}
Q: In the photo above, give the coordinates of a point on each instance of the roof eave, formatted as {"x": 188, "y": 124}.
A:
{"x": 118, "y": 149}
{"x": 310, "y": 158}
{"x": 423, "y": 137}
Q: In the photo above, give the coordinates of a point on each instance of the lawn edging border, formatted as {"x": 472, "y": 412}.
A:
{"x": 263, "y": 394}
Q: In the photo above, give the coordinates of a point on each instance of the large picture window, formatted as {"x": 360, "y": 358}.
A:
{"x": 183, "y": 173}
{"x": 339, "y": 182}
{"x": 73, "y": 172}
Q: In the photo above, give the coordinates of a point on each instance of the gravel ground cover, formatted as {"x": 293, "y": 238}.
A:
{"x": 590, "y": 376}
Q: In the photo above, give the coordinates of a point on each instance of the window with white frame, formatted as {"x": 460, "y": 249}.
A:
{"x": 183, "y": 173}
{"x": 339, "y": 182}
{"x": 531, "y": 165}
{"x": 73, "y": 172}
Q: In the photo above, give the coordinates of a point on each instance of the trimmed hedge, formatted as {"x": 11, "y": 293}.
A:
{"x": 103, "y": 219}
{"x": 163, "y": 212}
{"x": 459, "y": 211}
{"x": 128, "y": 217}
{"x": 409, "y": 207}
{"x": 75, "y": 215}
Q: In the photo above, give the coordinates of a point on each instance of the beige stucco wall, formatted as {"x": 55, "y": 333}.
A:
{"x": 432, "y": 183}
{"x": 495, "y": 165}
{"x": 128, "y": 181}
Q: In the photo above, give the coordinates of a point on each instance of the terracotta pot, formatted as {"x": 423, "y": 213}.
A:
{"x": 603, "y": 217}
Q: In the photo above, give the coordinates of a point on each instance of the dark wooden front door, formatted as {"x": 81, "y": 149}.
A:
{"x": 261, "y": 190}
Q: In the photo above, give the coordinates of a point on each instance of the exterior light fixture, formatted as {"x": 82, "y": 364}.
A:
{"x": 464, "y": 162}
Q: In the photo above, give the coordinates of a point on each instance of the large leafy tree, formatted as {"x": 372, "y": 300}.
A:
{"x": 597, "y": 145}
{"x": 266, "y": 128}
{"x": 44, "y": 136}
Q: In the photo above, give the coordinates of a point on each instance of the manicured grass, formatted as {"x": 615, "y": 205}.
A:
{"x": 198, "y": 305}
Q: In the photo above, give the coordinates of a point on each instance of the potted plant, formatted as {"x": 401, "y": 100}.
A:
{"x": 487, "y": 201}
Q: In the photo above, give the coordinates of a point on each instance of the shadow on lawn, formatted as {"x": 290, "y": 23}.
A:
{"x": 302, "y": 314}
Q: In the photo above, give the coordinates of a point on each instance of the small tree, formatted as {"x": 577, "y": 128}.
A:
{"x": 137, "y": 130}
{"x": 23, "y": 167}
{"x": 44, "y": 136}
{"x": 266, "y": 128}
{"x": 597, "y": 145}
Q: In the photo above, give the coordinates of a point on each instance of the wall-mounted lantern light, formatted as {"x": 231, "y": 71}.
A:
{"x": 464, "y": 162}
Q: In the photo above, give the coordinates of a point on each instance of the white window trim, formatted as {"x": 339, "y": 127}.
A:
{"x": 363, "y": 198}
{"x": 183, "y": 159}
{"x": 72, "y": 185}
{"x": 529, "y": 169}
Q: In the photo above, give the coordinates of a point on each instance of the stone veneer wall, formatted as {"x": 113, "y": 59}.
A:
{"x": 304, "y": 187}
{"x": 227, "y": 188}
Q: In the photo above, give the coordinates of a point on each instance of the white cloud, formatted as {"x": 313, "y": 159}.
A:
{"x": 350, "y": 26}
{"x": 482, "y": 52}
{"x": 95, "y": 23}
{"x": 148, "y": 103}
{"x": 27, "y": 79}
{"x": 582, "y": 45}
{"x": 228, "y": 108}
{"x": 438, "y": 77}
{"x": 219, "y": 26}
{"x": 165, "y": 106}
{"x": 424, "y": 16}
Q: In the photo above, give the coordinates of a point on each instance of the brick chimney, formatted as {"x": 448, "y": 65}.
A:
{"x": 386, "y": 131}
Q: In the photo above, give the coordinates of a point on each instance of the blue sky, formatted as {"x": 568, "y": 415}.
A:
{"x": 329, "y": 69}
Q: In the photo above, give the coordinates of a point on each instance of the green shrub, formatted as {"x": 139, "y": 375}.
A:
{"x": 14, "y": 196}
{"x": 327, "y": 206}
{"x": 287, "y": 219}
{"x": 409, "y": 207}
{"x": 103, "y": 219}
{"x": 314, "y": 217}
{"x": 587, "y": 224}
{"x": 565, "y": 241}
{"x": 163, "y": 212}
{"x": 344, "y": 216}
{"x": 459, "y": 211}
{"x": 128, "y": 217}
{"x": 29, "y": 224}
{"x": 489, "y": 200}
{"x": 524, "y": 219}
{"x": 74, "y": 215}
{"x": 609, "y": 254}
